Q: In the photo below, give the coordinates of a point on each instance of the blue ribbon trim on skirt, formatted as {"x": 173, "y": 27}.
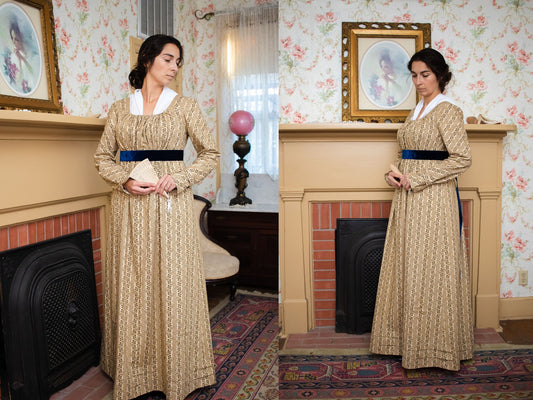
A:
{"x": 435, "y": 155}
{"x": 152, "y": 155}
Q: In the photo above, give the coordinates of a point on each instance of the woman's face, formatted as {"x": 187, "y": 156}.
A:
{"x": 425, "y": 80}
{"x": 17, "y": 40}
{"x": 165, "y": 65}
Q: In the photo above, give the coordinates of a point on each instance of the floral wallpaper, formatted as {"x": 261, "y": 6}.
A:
{"x": 488, "y": 45}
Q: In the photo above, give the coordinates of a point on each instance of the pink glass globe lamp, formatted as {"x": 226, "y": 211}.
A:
{"x": 241, "y": 124}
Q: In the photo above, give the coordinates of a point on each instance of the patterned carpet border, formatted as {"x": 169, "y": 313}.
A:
{"x": 245, "y": 347}
{"x": 492, "y": 374}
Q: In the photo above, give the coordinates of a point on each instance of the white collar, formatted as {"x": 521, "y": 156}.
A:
{"x": 164, "y": 100}
{"x": 440, "y": 98}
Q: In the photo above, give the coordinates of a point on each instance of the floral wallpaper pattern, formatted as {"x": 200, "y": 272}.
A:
{"x": 488, "y": 45}
{"x": 487, "y": 42}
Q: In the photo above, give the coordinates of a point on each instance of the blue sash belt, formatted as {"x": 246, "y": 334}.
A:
{"x": 152, "y": 155}
{"x": 435, "y": 155}
{"x": 424, "y": 155}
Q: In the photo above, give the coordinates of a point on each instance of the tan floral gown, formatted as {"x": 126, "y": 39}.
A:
{"x": 156, "y": 333}
{"x": 423, "y": 307}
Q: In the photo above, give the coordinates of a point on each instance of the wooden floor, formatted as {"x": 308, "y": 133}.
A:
{"x": 518, "y": 331}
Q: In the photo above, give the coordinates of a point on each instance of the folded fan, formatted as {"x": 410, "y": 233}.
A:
{"x": 145, "y": 172}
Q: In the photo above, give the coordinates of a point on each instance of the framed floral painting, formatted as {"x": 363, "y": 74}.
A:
{"x": 29, "y": 75}
{"x": 376, "y": 84}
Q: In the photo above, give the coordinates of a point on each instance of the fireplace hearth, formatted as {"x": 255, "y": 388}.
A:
{"x": 49, "y": 316}
{"x": 358, "y": 252}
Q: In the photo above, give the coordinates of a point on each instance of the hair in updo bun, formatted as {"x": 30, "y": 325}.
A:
{"x": 150, "y": 49}
{"x": 436, "y": 63}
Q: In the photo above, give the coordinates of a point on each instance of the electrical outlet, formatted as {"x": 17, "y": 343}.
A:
{"x": 522, "y": 278}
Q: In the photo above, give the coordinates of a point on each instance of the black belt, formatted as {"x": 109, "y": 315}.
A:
{"x": 435, "y": 155}
{"x": 424, "y": 155}
{"x": 152, "y": 155}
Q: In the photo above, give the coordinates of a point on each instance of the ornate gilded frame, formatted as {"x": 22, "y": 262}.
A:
{"x": 368, "y": 93}
{"x": 41, "y": 91}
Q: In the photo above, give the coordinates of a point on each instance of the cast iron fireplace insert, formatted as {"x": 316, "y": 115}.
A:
{"x": 359, "y": 246}
{"x": 49, "y": 316}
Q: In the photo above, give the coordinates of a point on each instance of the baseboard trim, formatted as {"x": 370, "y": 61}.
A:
{"x": 516, "y": 308}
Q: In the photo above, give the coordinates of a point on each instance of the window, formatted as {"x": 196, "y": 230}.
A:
{"x": 247, "y": 79}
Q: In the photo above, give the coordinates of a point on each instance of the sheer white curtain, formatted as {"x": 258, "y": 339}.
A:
{"x": 247, "y": 79}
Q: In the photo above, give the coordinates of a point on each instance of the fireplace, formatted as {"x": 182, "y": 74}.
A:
{"x": 50, "y": 323}
{"x": 358, "y": 252}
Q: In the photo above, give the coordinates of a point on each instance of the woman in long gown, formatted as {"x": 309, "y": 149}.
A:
{"x": 423, "y": 307}
{"x": 156, "y": 334}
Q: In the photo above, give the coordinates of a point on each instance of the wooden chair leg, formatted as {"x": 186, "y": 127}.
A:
{"x": 233, "y": 290}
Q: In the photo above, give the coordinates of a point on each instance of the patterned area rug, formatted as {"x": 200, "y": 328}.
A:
{"x": 492, "y": 374}
{"x": 245, "y": 345}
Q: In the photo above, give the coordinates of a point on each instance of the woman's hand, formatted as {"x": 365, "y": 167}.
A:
{"x": 165, "y": 185}
{"x": 397, "y": 179}
{"x": 139, "y": 188}
{"x": 405, "y": 183}
{"x": 394, "y": 179}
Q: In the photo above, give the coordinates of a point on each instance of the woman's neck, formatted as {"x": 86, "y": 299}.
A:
{"x": 150, "y": 95}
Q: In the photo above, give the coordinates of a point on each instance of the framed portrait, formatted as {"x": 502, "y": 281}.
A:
{"x": 376, "y": 84}
{"x": 29, "y": 75}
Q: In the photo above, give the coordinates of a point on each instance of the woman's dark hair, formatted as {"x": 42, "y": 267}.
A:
{"x": 436, "y": 63}
{"x": 150, "y": 49}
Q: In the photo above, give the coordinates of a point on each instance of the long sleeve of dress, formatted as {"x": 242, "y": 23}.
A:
{"x": 203, "y": 143}
{"x": 453, "y": 134}
{"x": 105, "y": 156}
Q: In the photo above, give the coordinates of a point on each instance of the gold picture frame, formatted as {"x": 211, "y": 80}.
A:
{"x": 29, "y": 73}
{"x": 376, "y": 85}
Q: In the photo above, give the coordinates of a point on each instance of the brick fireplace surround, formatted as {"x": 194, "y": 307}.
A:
{"x": 323, "y": 244}
{"x": 327, "y": 170}
{"x": 53, "y": 188}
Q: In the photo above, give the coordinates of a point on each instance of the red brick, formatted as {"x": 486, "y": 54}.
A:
{"x": 324, "y": 235}
{"x": 386, "y": 207}
{"x": 325, "y": 322}
{"x": 324, "y": 255}
{"x": 101, "y": 392}
{"x": 98, "y": 278}
{"x": 346, "y": 210}
{"x": 335, "y": 213}
{"x": 325, "y": 314}
{"x": 324, "y": 274}
{"x": 79, "y": 221}
{"x": 49, "y": 228}
{"x": 324, "y": 265}
{"x": 466, "y": 213}
{"x": 32, "y": 233}
{"x": 40, "y": 231}
{"x": 4, "y": 241}
{"x": 356, "y": 210}
{"x": 325, "y": 294}
{"x": 316, "y": 216}
{"x": 376, "y": 210}
{"x": 79, "y": 393}
{"x": 325, "y": 305}
{"x": 325, "y": 222}
{"x": 57, "y": 227}
{"x": 324, "y": 245}
{"x": 22, "y": 235}
{"x": 321, "y": 285}
{"x": 366, "y": 210}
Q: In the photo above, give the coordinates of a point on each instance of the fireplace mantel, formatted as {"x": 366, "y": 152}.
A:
{"x": 47, "y": 165}
{"x": 339, "y": 162}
